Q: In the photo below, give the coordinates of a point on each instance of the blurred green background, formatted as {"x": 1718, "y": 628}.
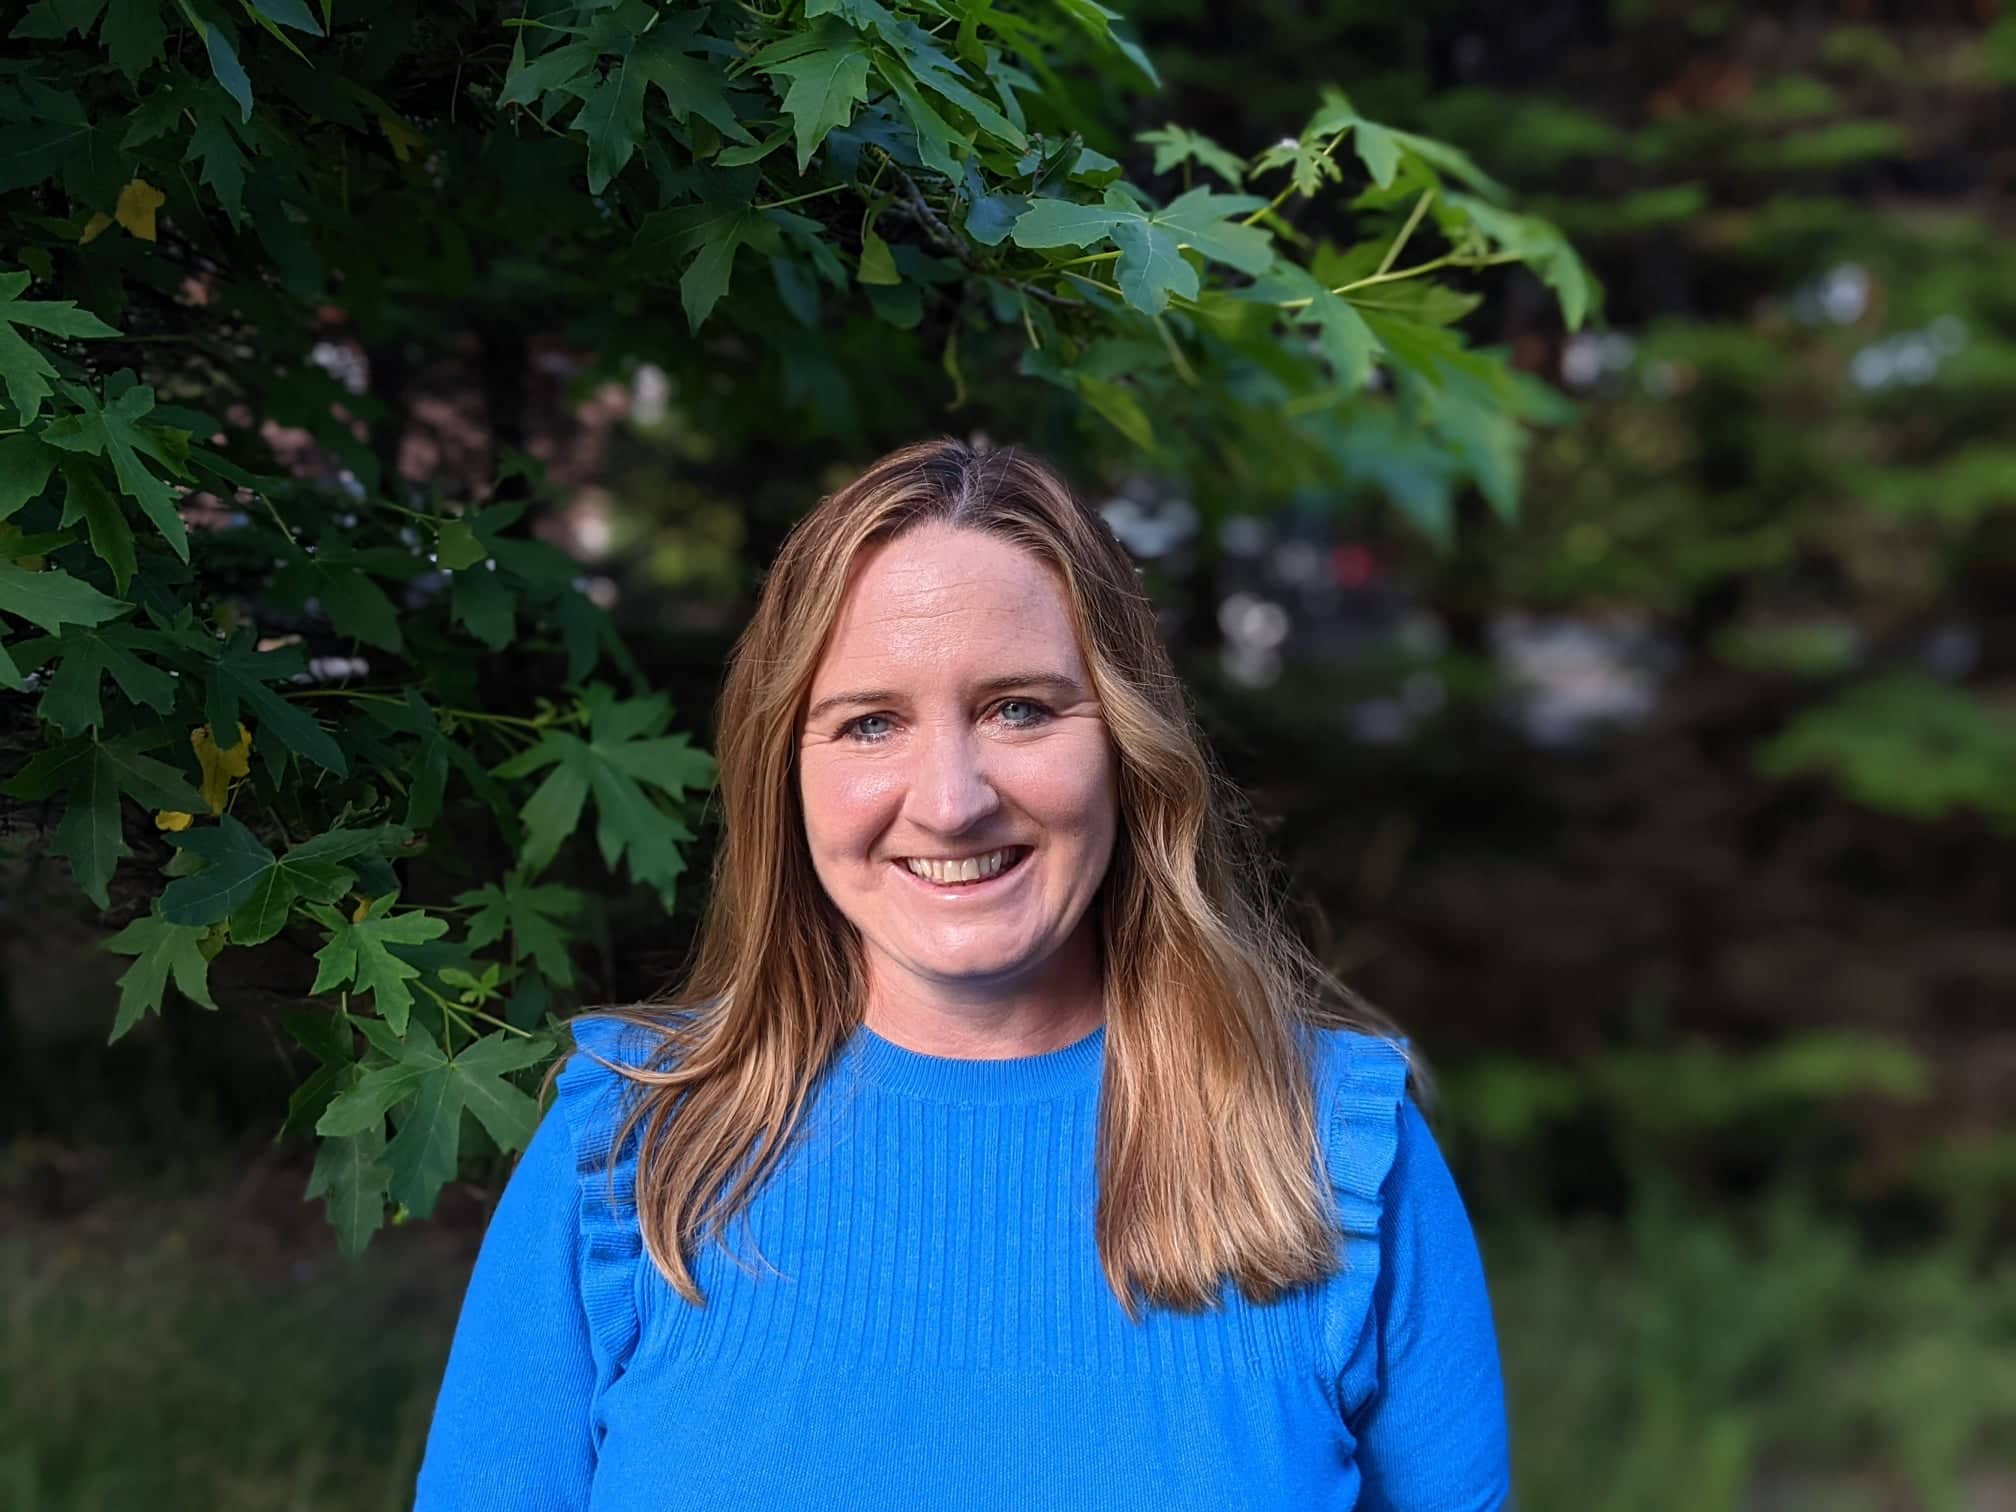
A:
{"x": 1673, "y": 819}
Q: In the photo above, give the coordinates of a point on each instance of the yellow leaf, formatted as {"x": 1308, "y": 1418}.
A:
{"x": 220, "y": 766}
{"x": 137, "y": 203}
{"x": 402, "y": 137}
{"x": 93, "y": 226}
{"x": 173, "y": 819}
{"x": 363, "y": 908}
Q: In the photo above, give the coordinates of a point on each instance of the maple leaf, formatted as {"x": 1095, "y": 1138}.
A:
{"x": 164, "y": 949}
{"x": 26, "y": 371}
{"x": 423, "y": 1155}
{"x": 114, "y": 431}
{"x": 92, "y": 774}
{"x": 254, "y": 890}
{"x": 529, "y": 912}
{"x": 359, "y": 952}
{"x": 825, "y": 86}
{"x": 623, "y": 754}
{"x": 1151, "y": 265}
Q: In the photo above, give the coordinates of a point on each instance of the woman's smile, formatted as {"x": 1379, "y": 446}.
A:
{"x": 968, "y": 878}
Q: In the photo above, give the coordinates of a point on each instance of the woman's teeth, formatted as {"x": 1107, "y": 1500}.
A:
{"x": 971, "y": 869}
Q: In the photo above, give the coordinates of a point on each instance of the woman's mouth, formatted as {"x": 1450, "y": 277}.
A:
{"x": 965, "y": 874}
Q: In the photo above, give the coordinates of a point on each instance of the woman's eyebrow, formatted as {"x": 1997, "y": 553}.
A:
{"x": 1056, "y": 682}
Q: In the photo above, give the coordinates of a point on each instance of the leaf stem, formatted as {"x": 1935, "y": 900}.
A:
{"x": 1393, "y": 252}
{"x": 267, "y": 499}
{"x": 797, "y": 199}
{"x": 474, "y": 716}
{"x": 1450, "y": 259}
{"x": 468, "y": 1012}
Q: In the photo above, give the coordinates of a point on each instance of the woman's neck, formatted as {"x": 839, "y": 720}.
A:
{"x": 1057, "y": 1006}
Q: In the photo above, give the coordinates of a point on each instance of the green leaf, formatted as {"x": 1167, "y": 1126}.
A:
{"x": 423, "y": 1154}
{"x": 26, "y": 371}
{"x": 989, "y": 217}
{"x": 350, "y": 1176}
{"x": 1099, "y": 22}
{"x": 114, "y": 431}
{"x": 133, "y": 36}
{"x": 245, "y": 883}
{"x": 1540, "y": 245}
{"x": 223, "y": 51}
{"x": 25, "y": 465}
{"x": 52, "y": 598}
{"x": 510, "y": 1116}
{"x": 93, "y": 773}
{"x": 620, "y": 758}
{"x": 484, "y": 607}
{"x": 239, "y": 676}
{"x": 220, "y": 164}
{"x": 613, "y": 121}
{"x": 711, "y": 233}
{"x": 1347, "y": 342}
{"x": 1176, "y": 145}
{"x": 458, "y": 547}
{"x": 862, "y": 15}
{"x": 164, "y": 950}
{"x": 381, "y": 1089}
{"x": 1151, "y": 268}
{"x": 530, "y": 913}
{"x": 935, "y": 139}
{"x": 943, "y": 76}
{"x": 87, "y": 498}
{"x": 286, "y": 13}
{"x": 1120, "y": 405}
{"x": 358, "y": 607}
{"x": 358, "y": 952}
{"x": 237, "y": 859}
{"x": 825, "y": 86}
{"x": 525, "y": 82}
{"x": 691, "y": 86}
{"x": 72, "y": 702}
{"x": 878, "y": 265}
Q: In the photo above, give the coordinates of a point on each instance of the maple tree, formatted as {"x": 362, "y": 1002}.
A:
{"x": 768, "y": 202}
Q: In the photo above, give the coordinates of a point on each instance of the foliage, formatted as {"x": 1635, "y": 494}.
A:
{"x": 1798, "y": 419}
{"x": 239, "y": 230}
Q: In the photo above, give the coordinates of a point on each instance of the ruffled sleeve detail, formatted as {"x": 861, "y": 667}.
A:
{"x": 1363, "y": 1087}
{"x": 592, "y": 1098}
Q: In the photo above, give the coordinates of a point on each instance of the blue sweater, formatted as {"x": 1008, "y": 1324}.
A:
{"x": 933, "y": 1330}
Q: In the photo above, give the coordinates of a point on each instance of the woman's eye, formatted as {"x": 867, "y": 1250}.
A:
{"x": 853, "y": 728}
{"x": 1035, "y": 711}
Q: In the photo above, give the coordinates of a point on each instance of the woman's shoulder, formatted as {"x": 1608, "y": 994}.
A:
{"x": 1363, "y": 1113}
{"x": 591, "y": 1090}
{"x": 591, "y": 1099}
{"x": 1360, "y": 1075}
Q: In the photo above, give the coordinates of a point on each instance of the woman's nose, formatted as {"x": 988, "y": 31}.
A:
{"x": 949, "y": 786}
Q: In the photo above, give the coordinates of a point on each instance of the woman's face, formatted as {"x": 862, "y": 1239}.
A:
{"x": 951, "y": 721}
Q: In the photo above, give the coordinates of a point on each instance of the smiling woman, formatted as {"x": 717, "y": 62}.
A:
{"x": 1075, "y": 1181}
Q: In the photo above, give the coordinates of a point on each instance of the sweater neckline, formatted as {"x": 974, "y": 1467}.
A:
{"x": 1067, "y": 1070}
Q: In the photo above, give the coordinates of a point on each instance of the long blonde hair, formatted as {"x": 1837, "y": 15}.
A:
{"x": 1207, "y": 1143}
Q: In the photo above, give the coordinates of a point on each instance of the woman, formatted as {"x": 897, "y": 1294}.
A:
{"x": 1005, "y": 1150}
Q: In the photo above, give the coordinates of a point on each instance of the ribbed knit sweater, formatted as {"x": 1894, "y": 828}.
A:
{"x": 932, "y": 1328}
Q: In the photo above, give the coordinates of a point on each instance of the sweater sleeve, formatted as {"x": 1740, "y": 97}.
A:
{"x": 551, "y": 1314}
{"x": 511, "y": 1428}
{"x": 1430, "y": 1419}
